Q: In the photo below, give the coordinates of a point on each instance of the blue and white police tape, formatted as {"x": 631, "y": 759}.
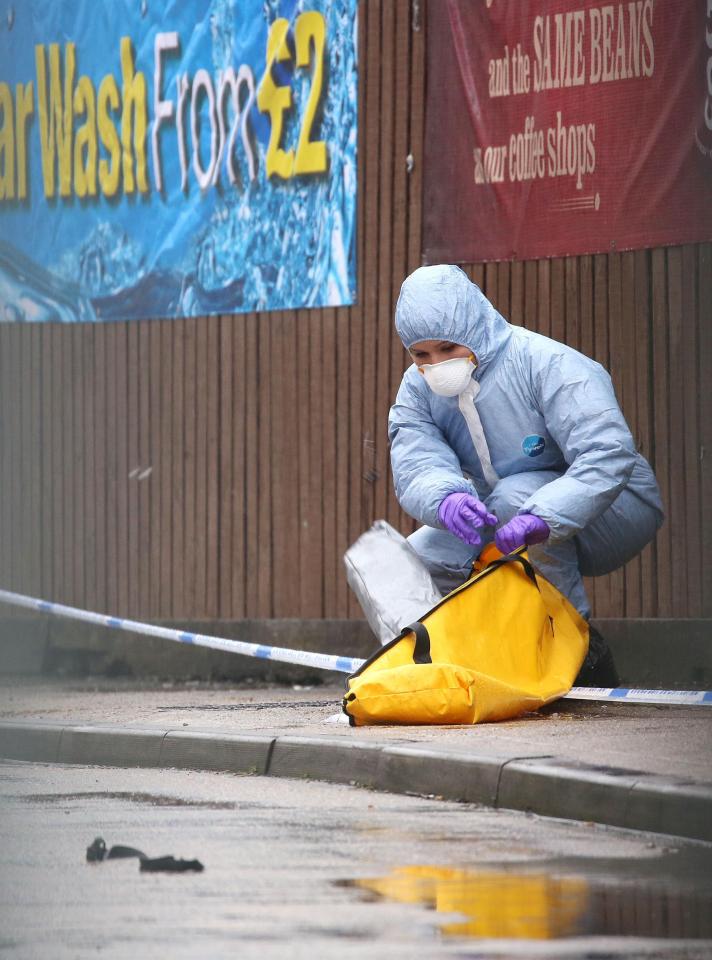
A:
{"x": 693, "y": 698}
{"x": 305, "y": 658}
{"x": 322, "y": 661}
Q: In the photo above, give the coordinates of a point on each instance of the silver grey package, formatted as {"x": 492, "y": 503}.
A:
{"x": 389, "y": 579}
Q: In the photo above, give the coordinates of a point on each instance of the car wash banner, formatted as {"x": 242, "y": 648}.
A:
{"x": 559, "y": 127}
{"x": 164, "y": 158}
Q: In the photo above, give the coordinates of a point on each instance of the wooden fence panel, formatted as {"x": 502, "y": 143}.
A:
{"x": 661, "y": 406}
{"x": 119, "y": 430}
{"x": 376, "y": 467}
{"x": 616, "y": 362}
{"x": 402, "y": 170}
{"x": 198, "y": 549}
{"x": 676, "y": 433}
{"x": 516, "y": 293}
{"x": 344, "y": 377}
{"x": 213, "y": 437}
{"x": 327, "y": 434}
{"x": 251, "y": 416}
{"x": 312, "y": 495}
{"x": 34, "y": 462}
{"x": 163, "y": 442}
{"x": 177, "y": 468}
{"x": 133, "y": 464}
{"x": 228, "y": 478}
{"x": 60, "y": 589}
{"x": 151, "y": 504}
{"x": 187, "y": 559}
{"x": 691, "y": 387}
{"x": 8, "y": 556}
{"x": 704, "y": 439}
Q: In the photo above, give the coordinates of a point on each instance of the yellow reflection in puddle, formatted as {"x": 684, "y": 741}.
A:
{"x": 497, "y": 904}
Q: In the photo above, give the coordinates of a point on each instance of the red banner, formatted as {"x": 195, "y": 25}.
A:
{"x": 557, "y": 128}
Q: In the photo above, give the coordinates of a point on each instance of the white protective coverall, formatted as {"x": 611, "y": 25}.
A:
{"x": 556, "y": 436}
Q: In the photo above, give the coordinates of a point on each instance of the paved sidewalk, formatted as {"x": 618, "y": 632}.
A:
{"x": 641, "y": 767}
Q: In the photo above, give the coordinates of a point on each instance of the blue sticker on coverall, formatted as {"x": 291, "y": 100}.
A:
{"x": 533, "y": 445}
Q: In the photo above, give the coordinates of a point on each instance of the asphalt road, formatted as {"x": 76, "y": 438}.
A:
{"x": 296, "y": 869}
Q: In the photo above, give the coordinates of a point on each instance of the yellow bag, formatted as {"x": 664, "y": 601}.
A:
{"x": 504, "y": 642}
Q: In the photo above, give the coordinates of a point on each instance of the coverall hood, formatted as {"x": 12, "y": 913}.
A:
{"x": 442, "y": 303}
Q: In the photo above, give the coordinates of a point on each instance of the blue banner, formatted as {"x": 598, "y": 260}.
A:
{"x": 164, "y": 158}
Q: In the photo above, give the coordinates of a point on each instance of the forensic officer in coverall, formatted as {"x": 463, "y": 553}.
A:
{"x": 499, "y": 432}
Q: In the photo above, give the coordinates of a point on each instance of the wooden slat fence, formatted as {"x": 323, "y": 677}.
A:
{"x": 218, "y": 467}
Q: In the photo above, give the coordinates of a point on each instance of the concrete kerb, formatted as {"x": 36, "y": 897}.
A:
{"x": 316, "y": 758}
{"x": 542, "y": 785}
{"x": 232, "y": 753}
{"x": 35, "y": 742}
{"x": 660, "y": 804}
{"x": 110, "y": 746}
{"x": 451, "y": 776}
{"x": 569, "y": 789}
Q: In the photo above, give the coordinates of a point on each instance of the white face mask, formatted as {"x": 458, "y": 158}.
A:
{"x": 449, "y": 377}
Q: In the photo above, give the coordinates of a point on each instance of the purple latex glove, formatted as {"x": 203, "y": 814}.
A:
{"x": 525, "y": 529}
{"x": 463, "y": 515}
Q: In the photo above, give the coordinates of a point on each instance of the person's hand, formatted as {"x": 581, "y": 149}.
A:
{"x": 523, "y": 530}
{"x": 463, "y": 515}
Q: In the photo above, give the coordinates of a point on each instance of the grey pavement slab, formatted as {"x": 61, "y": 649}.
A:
{"x": 642, "y": 767}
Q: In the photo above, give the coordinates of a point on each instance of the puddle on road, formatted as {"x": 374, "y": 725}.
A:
{"x": 152, "y": 799}
{"x": 542, "y": 906}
